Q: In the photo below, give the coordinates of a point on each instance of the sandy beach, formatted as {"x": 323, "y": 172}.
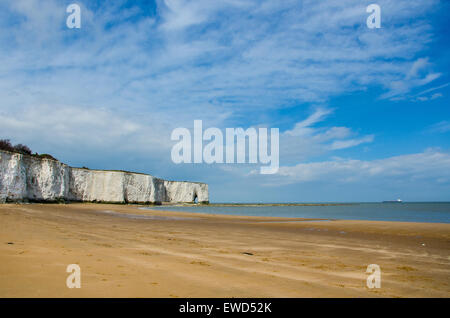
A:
{"x": 125, "y": 251}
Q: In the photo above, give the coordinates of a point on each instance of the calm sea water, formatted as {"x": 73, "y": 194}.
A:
{"x": 405, "y": 212}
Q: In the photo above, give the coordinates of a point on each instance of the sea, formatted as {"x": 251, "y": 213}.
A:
{"x": 431, "y": 212}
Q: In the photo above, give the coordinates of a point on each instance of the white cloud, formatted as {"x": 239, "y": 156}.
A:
{"x": 239, "y": 55}
{"x": 425, "y": 95}
{"x": 418, "y": 75}
{"x": 99, "y": 130}
{"x": 417, "y": 67}
{"x": 181, "y": 14}
{"x": 343, "y": 144}
{"x": 302, "y": 128}
{"x": 433, "y": 89}
{"x": 441, "y": 127}
{"x": 306, "y": 140}
{"x": 431, "y": 165}
{"x": 127, "y": 78}
{"x": 431, "y": 97}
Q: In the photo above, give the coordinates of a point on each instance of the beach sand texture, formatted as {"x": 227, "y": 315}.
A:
{"x": 172, "y": 254}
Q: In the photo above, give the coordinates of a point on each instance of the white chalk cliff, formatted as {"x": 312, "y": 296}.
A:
{"x": 28, "y": 178}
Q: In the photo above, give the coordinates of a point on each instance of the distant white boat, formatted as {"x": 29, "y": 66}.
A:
{"x": 394, "y": 201}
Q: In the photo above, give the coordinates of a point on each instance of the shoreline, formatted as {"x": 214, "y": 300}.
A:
{"x": 181, "y": 254}
{"x": 355, "y": 212}
{"x": 160, "y": 208}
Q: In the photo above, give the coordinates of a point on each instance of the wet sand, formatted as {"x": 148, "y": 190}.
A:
{"x": 124, "y": 251}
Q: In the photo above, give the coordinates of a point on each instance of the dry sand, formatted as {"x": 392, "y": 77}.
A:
{"x": 213, "y": 256}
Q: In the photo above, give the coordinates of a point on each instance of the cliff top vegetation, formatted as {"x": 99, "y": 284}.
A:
{"x": 5, "y": 144}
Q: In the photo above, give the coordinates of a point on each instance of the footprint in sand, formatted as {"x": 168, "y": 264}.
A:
{"x": 199, "y": 263}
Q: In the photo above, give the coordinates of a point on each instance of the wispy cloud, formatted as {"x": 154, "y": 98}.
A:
{"x": 85, "y": 131}
{"x": 417, "y": 76}
{"x": 425, "y": 95}
{"x": 433, "y": 89}
{"x": 440, "y": 127}
{"x": 343, "y": 144}
{"x": 236, "y": 55}
{"x": 306, "y": 139}
{"x": 431, "y": 165}
{"x": 132, "y": 73}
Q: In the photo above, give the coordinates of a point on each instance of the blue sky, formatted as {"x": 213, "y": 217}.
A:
{"x": 363, "y": 113}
